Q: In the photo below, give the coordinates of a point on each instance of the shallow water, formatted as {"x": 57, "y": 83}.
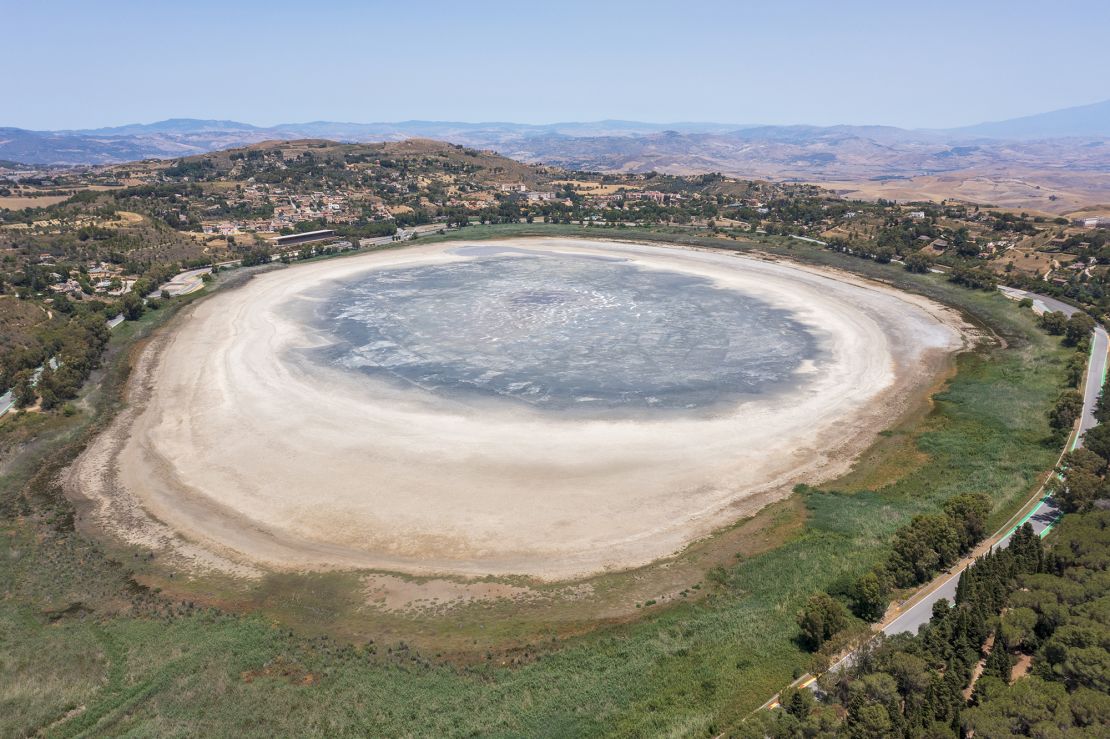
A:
{"x": 562, "y": 332}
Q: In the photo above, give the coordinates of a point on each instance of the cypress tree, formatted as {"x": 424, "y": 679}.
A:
{"x": 1028, "y": 550}
{"x": 999, "y": 662}
{"x": 936, "y": 704}
{"x": 956, "y": 678}
{"x": 965, "y": 648}
{"x": 962, "y": 586}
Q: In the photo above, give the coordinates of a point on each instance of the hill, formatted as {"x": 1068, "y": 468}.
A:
{"x": 1054, "y": 162}
{"x": 180, "y": 136}
{"x": 1083, "y": 120}
{"x": 322, "y": 162}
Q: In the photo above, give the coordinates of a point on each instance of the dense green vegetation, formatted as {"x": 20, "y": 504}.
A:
{"x": 94, "y": 651}
{"x": 957, "y": 676}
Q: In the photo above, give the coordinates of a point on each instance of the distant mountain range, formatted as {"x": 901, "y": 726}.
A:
{"x": 610, "y": 144}
{"x": 1054, "y": 162}
{"x": 186, "y": 136}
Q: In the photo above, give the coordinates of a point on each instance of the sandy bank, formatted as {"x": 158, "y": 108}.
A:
{"x": 236, "y": 458}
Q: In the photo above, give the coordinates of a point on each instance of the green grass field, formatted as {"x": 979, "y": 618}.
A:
{"x": 84, "y": 650}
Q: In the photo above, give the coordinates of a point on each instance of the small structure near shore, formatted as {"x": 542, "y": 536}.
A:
{"x": 302, "y": 238}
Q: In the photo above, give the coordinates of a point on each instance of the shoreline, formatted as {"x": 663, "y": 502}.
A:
{"x": 173, "y": 514}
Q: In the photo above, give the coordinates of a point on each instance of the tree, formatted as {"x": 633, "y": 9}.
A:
{"x": 1054, "y": 322}
{"x": 1026, "y": 550}
{"x": 1079, "y": 490}
{"x": 1081, "y": 479}
{"x": 969, "y": 513}
{"x": 1066, "y": 411}
{"x": 976, "y": 279}
{"x": 255, "y": 257}
{"x": 1050, "y": 605}
{"x": 1078, "y": 328}
{"x": 1077, "y": 655}
{"x": 999, "y": 663}
{"x": 910, "y": 672}
{"x": 873, "y": 705}
{"x": 917, "y": 263}
{"x": 1097, "y": 439}
{"x": 822, "y": 618}
{"x": 923, "y": 547}
{"x": 869, "y": 721}
{"x": 132, "y": 306}
{"x": 48, "y": 389}
{"x": 798, "y": 702}
{"x": 870, "y": 597}
{"x": 1102, "y": 407}
{"x": 1083, "y": 459}
{"x": 1015, "y": 630}
{"x": 23, "y": 390}
{"x": 1028, "y": 707}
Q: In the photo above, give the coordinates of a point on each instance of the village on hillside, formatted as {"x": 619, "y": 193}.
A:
{"x": 114, "y": 237}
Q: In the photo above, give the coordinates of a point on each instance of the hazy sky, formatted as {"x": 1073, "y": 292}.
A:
{"x": 83, "y": 63}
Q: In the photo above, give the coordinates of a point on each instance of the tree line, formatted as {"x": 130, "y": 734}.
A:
{"x": 919, "y": 550}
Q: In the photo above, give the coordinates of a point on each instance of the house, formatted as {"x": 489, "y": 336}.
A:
{"x": 102, "y": 271}
{"x": 935, "y": 248}
{"x": 68, "y": 287}
{"x": 652, "y": 195}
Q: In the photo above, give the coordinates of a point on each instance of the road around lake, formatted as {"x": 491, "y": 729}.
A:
{"x": 183, "y": 283}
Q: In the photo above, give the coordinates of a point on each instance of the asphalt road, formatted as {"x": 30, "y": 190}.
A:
{"x": 183, "y": 283}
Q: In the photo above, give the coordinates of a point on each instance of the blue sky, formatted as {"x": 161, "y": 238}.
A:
{"x": 81, "y": 64}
